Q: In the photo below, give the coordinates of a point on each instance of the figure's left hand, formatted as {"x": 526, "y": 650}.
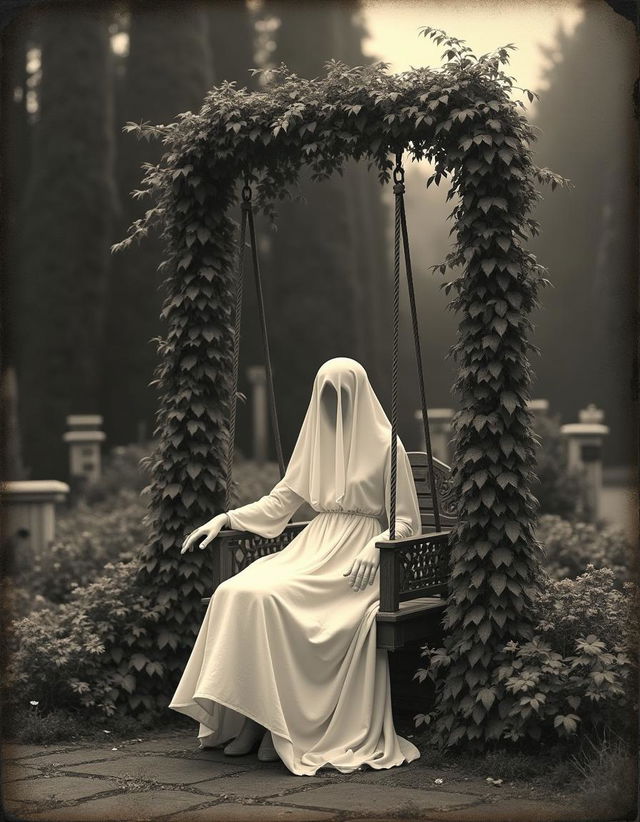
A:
{"x": 364, "y": 567}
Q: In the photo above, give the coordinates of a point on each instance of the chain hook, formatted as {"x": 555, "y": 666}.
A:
{"x": 246, "y": 191}
{"x": 398, "y": 171}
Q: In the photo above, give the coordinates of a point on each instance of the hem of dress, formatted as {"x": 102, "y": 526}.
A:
{"x": 237, "y": 709}
{"x": 326, "y": 765}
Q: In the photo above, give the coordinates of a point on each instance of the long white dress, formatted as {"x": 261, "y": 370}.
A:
{"x": 289, "y": 643}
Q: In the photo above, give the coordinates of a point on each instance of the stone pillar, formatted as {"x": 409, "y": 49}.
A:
{"x": 539, "y": 409}
{"x": 584, "y": 455}
{"x": 257, "y": 375}
{"x": 84, "y": 437}
{"x": 440, "y": 431}
{"x": 30, "y": 518}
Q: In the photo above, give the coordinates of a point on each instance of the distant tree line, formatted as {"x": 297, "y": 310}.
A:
{"x": 81, "y": 327}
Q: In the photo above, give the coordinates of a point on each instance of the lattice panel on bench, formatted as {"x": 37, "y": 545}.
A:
{"x": 424, "y": 564}
{"x": 245, "y": 550}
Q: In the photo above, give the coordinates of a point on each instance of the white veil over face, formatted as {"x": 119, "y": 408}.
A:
{"x": 340, "y": 453}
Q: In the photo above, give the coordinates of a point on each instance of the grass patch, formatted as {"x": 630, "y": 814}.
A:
{"x": 609, "y": 776}
{"x": 58, "y": 726}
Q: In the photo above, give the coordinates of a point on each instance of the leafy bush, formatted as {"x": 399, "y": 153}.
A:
{"x": 87, "y": 537}
{"x": 124, "y": 468}
{"x": 558, "y": 490}
{"x": 82, "y": 654}
{"x": 573, "y": 678}
{"x": 569, "y": 546}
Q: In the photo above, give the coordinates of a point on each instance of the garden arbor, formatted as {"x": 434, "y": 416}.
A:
{"x": 462, "y": 118}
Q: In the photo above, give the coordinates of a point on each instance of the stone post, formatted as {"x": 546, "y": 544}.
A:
{"x": 84, "y": 437}
{"x": 539, "y": 408}
{"x": 257, "y": 375}
{"x": 584, "y": 454}
{"x": 440, "y": 431}
{"x": 30, "y": 519}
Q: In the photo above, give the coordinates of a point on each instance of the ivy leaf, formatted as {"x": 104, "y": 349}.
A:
{"x": 488, "y": 496}
{"x": 138, "y": 661}
{"x": 484, "y": 631}
{"x": 506, "y": 443}
{"x": 512, "y": 530}
{"x": 509, "y": 401}
{"x": 487, "y": 697}
{"x": 500, "y": 325}
{"x": 474, "y": 615}
{"x": 501, "y": 556}
{"x": 498, "y": 582}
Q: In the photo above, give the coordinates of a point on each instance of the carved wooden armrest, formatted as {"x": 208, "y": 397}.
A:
{"x": 413, "y": 567}
{"x": 408, "y": 542}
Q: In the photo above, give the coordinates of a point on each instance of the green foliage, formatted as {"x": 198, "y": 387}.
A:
{"x": 460, "y": 117}
{"x": 85, "y": 654}
{"x": 588, "y": 604}
{"x": 558, "y": 490}
{"x": 123, "y": 469}
{"x": 569, "y": 546}
{"x": 574, "y": 677}
{"x": 87, "y": 537}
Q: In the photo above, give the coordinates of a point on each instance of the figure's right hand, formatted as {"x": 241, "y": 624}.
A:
{"x": 207, "y": 532}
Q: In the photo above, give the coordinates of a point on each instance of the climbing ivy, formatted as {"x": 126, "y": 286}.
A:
{"x": 461, "y": 118}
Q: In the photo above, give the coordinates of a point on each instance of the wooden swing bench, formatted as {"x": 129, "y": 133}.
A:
{"x": 413, "y": 573}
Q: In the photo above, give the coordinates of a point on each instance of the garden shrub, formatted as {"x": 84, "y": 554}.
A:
{"x": 83, "y": 654}
{"x": 87, "y": 537}
{"x": 124, "y": 468}
{"x": 558, "y": 490}
{"x": 569, "y": 546}
{"x": 574, "y": 677}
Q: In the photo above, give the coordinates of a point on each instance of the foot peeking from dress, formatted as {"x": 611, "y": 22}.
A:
{"x": 266, "y": 751}
{"x": 247, "y": 740}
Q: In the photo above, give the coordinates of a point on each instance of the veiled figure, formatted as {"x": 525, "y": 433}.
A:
{"x": 290, "y": 641}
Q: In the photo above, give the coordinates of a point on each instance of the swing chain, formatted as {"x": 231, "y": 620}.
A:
{"x": 248, "y": 224}
{"x": 402, "y": 232}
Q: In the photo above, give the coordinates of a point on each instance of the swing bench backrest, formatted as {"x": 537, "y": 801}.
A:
{"x": 420, "y": 470}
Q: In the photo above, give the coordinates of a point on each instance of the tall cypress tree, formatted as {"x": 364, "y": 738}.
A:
{"x": 588, "y": 234}
{"x": 326, "y": 267}
{"x": 168, "y": 71}
{"x": 65, "y": 225}
{"x": 17, "y": 153}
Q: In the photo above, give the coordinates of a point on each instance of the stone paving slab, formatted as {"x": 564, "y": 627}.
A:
{"x": 16, "y": 770}
{"x": 424, "y": 779}
{"x": 70, "y": 758}
{"x": 257, "y": 784}
{"x": 11, "y": 750}
{"x": 128, "y": 807}
{"x": 160, "y": 746}
{"x": 233, "y": 812}
{"x": 57, "y": 788}
{"x": 164, "y": 769}
{"x": 522, "y": 810}
{"x": 367, "y": 798}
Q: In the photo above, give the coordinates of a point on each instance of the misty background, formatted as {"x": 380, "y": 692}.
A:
{"x": 81, "y": 324}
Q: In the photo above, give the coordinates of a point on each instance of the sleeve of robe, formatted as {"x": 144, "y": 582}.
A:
{"x": 408, "y": 520}
{"x": 268, "y": 515}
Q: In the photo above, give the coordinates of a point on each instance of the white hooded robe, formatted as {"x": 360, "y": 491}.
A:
{"x": 287, "y": 641}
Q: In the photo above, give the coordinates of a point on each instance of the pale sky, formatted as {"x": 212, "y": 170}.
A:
{"x": 393, "y": 27}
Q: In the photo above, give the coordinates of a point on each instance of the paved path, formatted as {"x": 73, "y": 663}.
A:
{"x": 167, "y": 777}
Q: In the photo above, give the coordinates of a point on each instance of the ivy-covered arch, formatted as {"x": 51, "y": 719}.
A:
{"x": 462, "y": 118}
